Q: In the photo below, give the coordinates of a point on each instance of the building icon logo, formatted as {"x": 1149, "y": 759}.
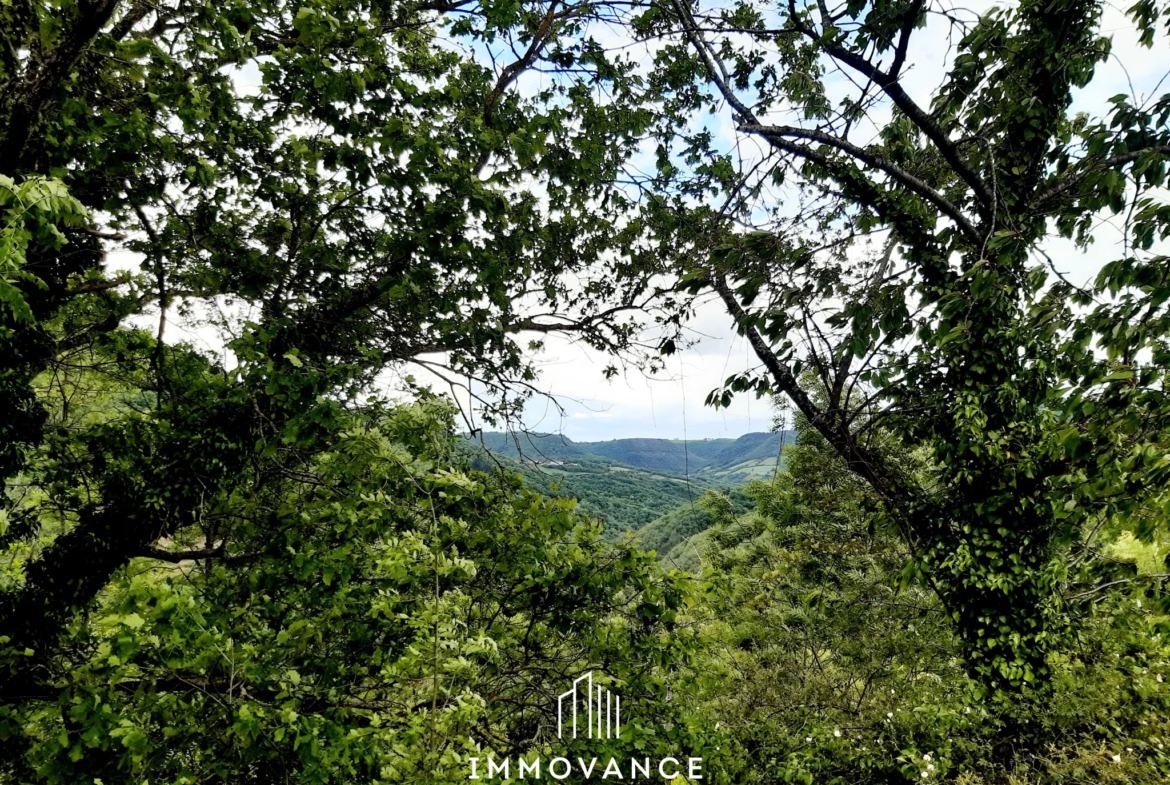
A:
{"x": 589, "y": 711}
{"x": 600, "y": 710}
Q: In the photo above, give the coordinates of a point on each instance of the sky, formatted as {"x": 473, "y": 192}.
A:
{"x": 584, "y": 406}
{"x": 669, "y": 406}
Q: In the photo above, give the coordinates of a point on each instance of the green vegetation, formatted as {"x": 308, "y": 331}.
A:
{"x": 623, "y": 499}
{"x": 823, "y": 626}
{"x": 730, "y": 460}
{"x": 671, "y": 535}
{"x": 226, "y": 557}
{"x": 630, "y": 485}
{"x": 914, "y": 282}
{"x": 384, "y": 614}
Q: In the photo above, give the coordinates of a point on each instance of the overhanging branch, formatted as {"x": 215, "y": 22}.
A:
{"x": 889, "y": 84}
{"x": 194, "y": 554}
{"x": 1077, "y": 175}
{"x": 876, "y": 160}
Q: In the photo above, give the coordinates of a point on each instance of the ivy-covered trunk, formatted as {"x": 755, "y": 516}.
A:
{"x": 955, "y": 336}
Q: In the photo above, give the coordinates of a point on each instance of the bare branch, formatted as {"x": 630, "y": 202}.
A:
{"x": 99, "y": 286}
{"x": 1104, "y": 586}
{"x": 174, "y": 557}
{"x": 103, "y": 235}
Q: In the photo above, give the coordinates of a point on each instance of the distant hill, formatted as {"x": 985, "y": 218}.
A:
{"x": 534, "y": 448}
{"x": 728, "y": 460}
{"x": 659, "y": 455}
{"x": 645, "y": 486}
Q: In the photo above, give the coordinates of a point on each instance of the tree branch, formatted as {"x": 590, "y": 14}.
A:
{"x": 899, "y": 496}
{"x": 539, "y": 38}
{"x": 133, "y": 16}
{"x": 909, "y": 20}
{"x": 751, "y": 124}
{"x": 1074, "y": 177}
{"x": 888, "y": 82}
{"x": 195, "y": 554}
{"x": 1104, "y": 586}
{"x": 875, "y": 160}
{"x": 99, "y": 286}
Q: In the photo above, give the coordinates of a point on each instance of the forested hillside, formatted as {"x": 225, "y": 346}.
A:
{"x": 731, "y": 460}
{"x": 681, "y": 538}
{"x": 620, "y": 498}
{"x": 644, "y": 486}
{"x": 280, "y": 282}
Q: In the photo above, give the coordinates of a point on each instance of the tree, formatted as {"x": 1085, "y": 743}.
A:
{"x": 1041, "y": 404}
{"x": 830, "y": 663}
{"x": 331, "y": 186}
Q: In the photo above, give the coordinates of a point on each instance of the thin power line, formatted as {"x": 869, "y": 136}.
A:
{"x": 682, "y": 380}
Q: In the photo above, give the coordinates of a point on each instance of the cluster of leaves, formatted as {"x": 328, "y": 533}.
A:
{"x": 33, "y": 213}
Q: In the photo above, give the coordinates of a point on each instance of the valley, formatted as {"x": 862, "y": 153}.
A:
{"x": 646, "y": 488}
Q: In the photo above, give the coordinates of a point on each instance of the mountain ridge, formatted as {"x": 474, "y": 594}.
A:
{"x": 751, "y": 455}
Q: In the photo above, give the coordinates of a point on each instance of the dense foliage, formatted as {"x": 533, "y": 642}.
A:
{"x": 385, "y": 614}
{"x": 226, "y": 557}
{"x": 836, "y": 669}
{"x": 330, "y": 190}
